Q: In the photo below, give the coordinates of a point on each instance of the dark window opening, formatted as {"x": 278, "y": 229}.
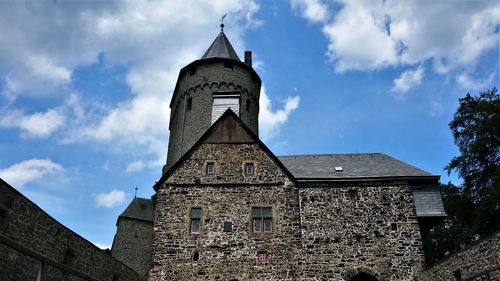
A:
{"x": 194, "y": 226}
{"x": 394, "y": 226}
{"x": 228, "y": 226}
{"x": 262, "y": 258}
{"x": 354, "y": 195}
{"x": 249, "y": 102}
{"x": 196, "y": 256}
{"x": 210, "y": 169}
{"x": 192, "y": 71}
{"x": 249, "y": 169}
{"x": 189, "y": 103}
{"x": 68, "y": 256}
{"x": 228, "y": 66}
{"x": 262, "y": 219}
{"x": 115, "y": 277}
{"x": 457, "y": 274}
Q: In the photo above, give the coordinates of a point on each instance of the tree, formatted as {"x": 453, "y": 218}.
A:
{"x": 473, "y": 208}
{"x": 476, "y": 130}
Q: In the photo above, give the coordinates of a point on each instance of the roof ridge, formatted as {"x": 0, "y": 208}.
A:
{"x": 329, "y": 154}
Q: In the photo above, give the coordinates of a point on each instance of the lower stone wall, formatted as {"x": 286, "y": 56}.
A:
{"x": 29, "y": 237}
{"x": 477, "y": 262}
{"x": 217, "y": 253}
{"x": 352, "y": 229}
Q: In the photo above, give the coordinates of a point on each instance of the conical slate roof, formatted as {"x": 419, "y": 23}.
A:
{"x": 139, "y": 208}
{"x": 221, "y": 48}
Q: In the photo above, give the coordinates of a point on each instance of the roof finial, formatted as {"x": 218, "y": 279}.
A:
{"x": 135, "y": 192}
{"x": 222, "y": 23}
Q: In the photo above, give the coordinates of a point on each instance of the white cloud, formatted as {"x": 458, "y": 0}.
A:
{"x": 36, "y": 125}
{"x": 152, "y": 40}
{"x": 312, "y": 10}
{"x": 30, "y": 170}
{"x": 368, "y": 35}
{"x": 468, "y": 82}
{"x": 110, "y": 199}
{"x": 136, "y": 166}
{"x": 407, "y": 80}
{"x": 269, "y": 120}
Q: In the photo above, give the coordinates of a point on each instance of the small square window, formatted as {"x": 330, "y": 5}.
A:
{"x": 195, "y": 219}
{"x": 249, "y": 169}
{"x": 354, "y": 195}
{"x": 210, "y": 169}
{"x": 228, "y": 226}
{"x": 228, "y": 66}
{"x": 262, "y": 258}
{"x": 262, "y": 219}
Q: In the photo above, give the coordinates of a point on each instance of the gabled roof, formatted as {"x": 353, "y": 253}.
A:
{"x": 363, "y": 165}
{"x": 140, "y": 209}
{"x": 213, "y": 134}
{"x": 221, "y": 48}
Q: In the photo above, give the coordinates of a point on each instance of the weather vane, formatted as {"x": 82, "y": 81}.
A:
{"x": 222, "y": 22}
{"x": 135, "y": 192}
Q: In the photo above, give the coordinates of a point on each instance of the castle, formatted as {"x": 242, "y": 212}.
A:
{"x": 227, "y": 208}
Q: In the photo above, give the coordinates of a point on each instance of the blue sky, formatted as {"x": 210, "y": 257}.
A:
{"x": 85, "y": 86}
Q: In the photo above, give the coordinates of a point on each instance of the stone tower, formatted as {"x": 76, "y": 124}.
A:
{"x": 134, "y": 235}
{"x": 205, "y": 89}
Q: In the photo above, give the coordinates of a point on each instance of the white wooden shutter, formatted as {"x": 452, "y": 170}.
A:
{"x": 222, "y": 103}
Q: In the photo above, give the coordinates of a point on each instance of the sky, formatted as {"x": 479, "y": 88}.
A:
{"x": 85, "y": 86}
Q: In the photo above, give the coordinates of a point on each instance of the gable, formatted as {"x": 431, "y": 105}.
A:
{"x": 229, "y": 131}
{"x": 229, "y": 144}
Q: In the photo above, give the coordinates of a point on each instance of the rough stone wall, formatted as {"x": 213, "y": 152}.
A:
{"x": 225, "y": 255}
{"x": 24, "y": 223}
{"x": 377, "y": 234}
{"x": 229, "y": 162}
{"x": 186, "y": 129}
{"x": 132, "y": 244}
{"x": 473, "y": 262}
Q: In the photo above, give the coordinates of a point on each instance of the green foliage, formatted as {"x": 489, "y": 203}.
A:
{"x": 153, "y": 200}
{"x": 473, "y": 209}
{"x": 476, "y": 130}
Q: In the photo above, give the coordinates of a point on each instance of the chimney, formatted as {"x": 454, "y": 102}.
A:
{"x": 248, "y": 58}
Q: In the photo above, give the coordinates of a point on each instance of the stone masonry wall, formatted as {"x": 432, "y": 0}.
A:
{"x": 227, "y": 196}
{"x": 186, "y": 129}
{"x": 473, "y": 263}
{"x": 25, "y": 224}
{"x": 224, "y": 255}
{"x": 376, "y": 233}
{"x": 132, "y": 244}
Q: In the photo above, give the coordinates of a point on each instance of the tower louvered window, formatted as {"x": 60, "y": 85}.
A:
{"x": 222, "y": 102}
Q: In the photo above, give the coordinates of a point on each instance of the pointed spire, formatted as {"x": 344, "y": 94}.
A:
{"x": 221, "y": 47}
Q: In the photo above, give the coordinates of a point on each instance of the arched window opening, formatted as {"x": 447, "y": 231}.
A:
{"x": 363, "y": 277}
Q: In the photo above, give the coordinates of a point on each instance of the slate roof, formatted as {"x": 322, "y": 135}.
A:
{"x": 140, "y": 209}
{"x": 428, "y": 201}
{"x": 363, "y": 165}
{"x": 221, "y": 48}
{"x": 321, "y": 167}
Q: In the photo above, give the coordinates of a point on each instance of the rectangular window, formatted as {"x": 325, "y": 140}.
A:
{"x": 262, "y": 219}
{"x": 189, "y": 103}
{"x": 249, "y": 169}
{"x": 262, "y": 258}
{"x": 194, "y": 227}
{"x": 210, "y": 169}
{"x": 354, "y": 195}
